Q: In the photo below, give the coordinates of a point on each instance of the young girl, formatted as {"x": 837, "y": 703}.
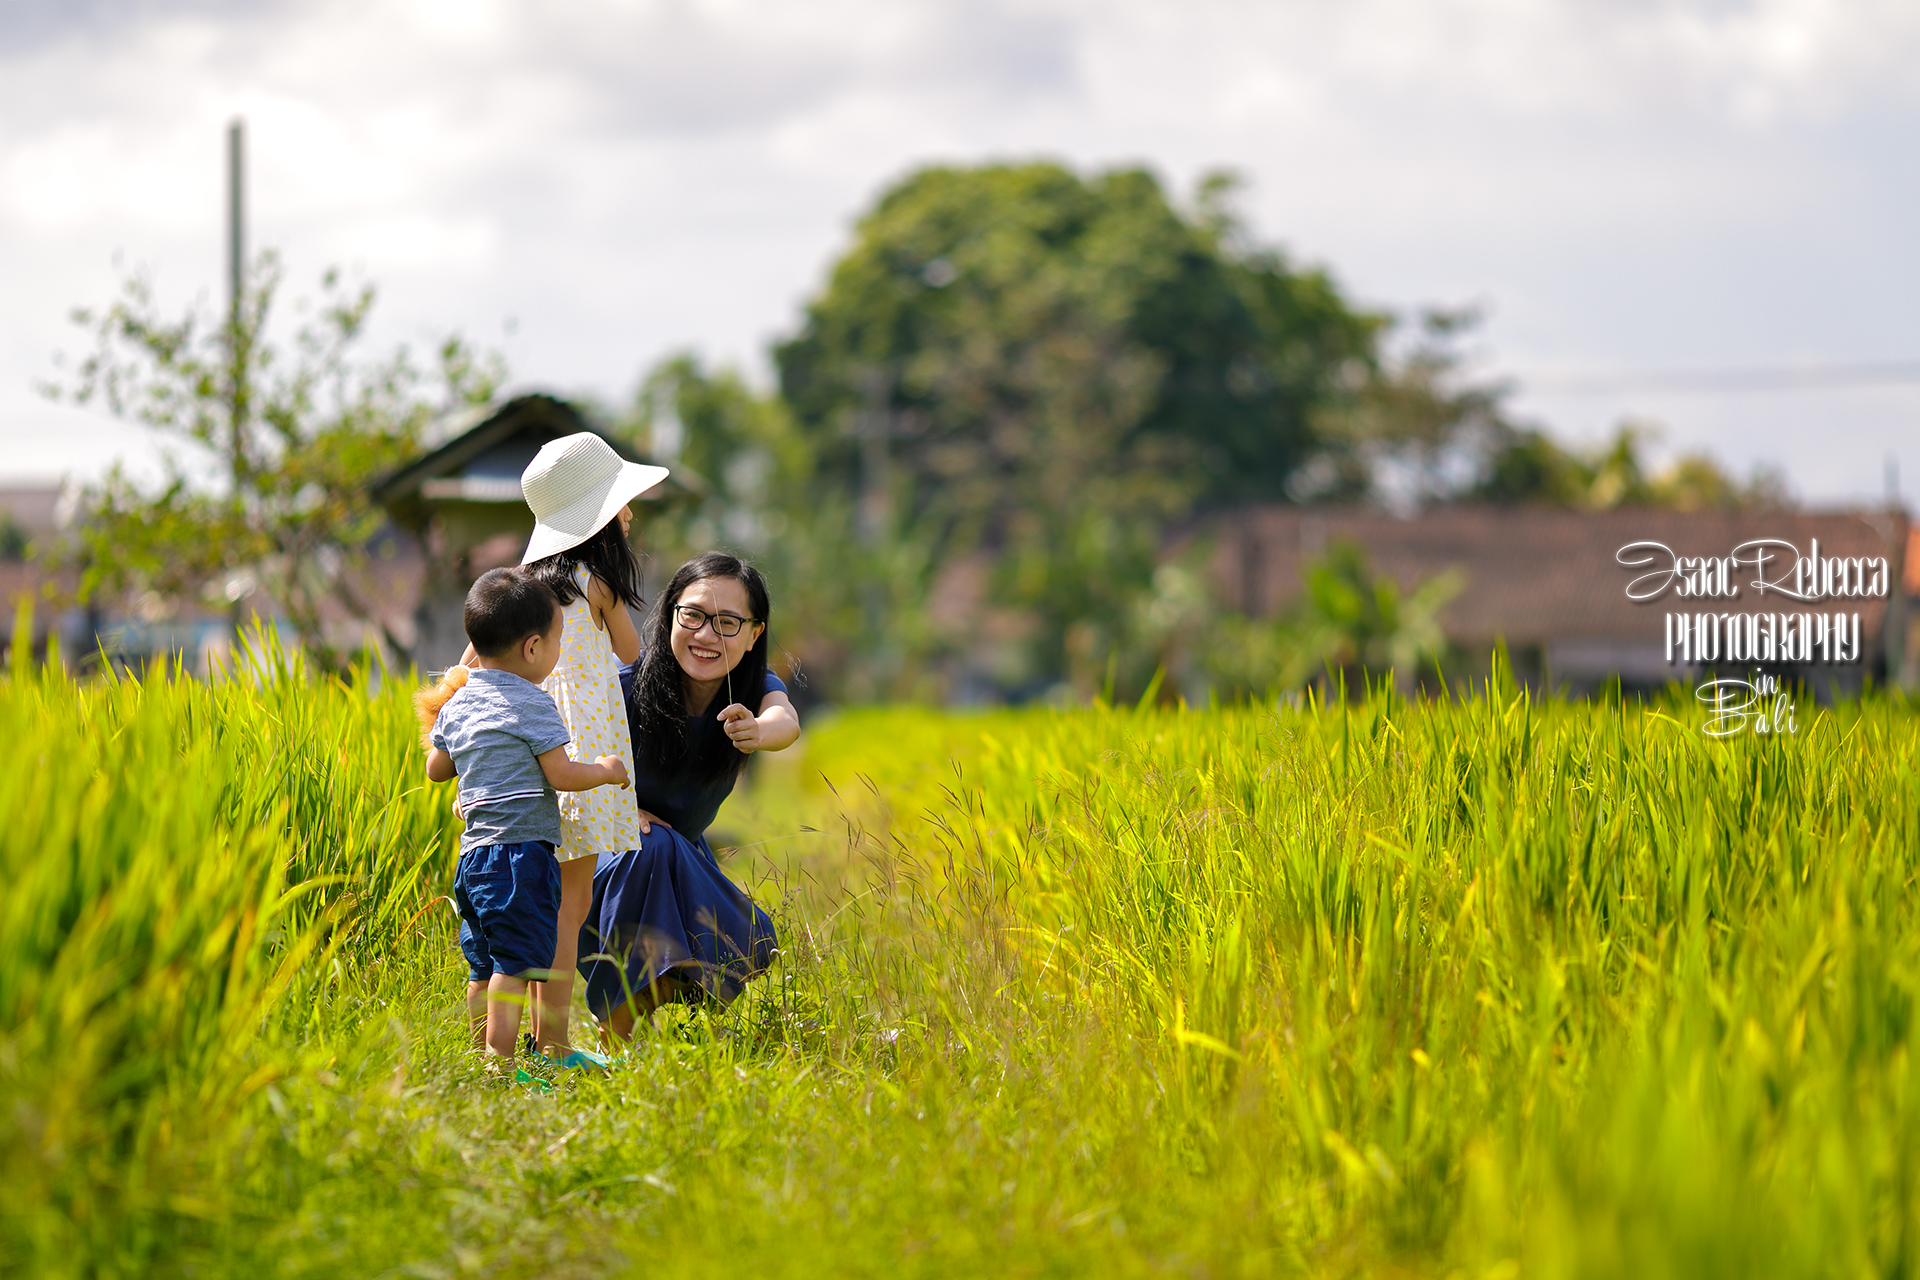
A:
{"x": 579, "y": 488}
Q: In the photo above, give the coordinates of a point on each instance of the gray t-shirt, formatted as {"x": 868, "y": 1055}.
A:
{"x": 496, "y": 728}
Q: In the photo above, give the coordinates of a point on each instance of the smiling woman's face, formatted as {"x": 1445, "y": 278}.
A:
{"x": 705, "y": 655}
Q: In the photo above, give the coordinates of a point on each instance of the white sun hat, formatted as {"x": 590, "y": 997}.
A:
{"x": 575, "y": 485}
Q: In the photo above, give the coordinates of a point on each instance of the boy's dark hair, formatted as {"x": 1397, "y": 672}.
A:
{"x": 505, "y": 607}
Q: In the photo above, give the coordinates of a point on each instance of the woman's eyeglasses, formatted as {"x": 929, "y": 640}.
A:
{"x": 724, "y": 624}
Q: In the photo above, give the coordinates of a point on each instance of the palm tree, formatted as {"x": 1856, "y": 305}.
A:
{"x": 1355, "y": 622}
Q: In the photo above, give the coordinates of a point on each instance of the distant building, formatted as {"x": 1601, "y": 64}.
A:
{"x": 129, "y": 632}
{"x": 32, "y": 513}
{"x": 462, "y": 506}
{"x": 456, "y": 512}
{"x": 1546, "y": 583}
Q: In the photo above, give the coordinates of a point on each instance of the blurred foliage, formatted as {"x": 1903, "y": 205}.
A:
{"x": 15, "y": 541}
{"x": 986, "y": 472}
{"x": 1351, "y": 627}
{"x": 1355, "y": 621}
{"x": 281, "y": 443}
{"x": 1420, "y": 430}
{"x": 1015, "y": 385}
{"x": 1020, "y": 327}
{"x": 1528, "y": 466}
{"x": 762, "y": 499}
{"x": 1413, "y": 430}
{"x": 1020, "y": 387}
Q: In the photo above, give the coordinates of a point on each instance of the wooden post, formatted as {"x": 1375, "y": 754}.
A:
{"x": 239, "y": 341}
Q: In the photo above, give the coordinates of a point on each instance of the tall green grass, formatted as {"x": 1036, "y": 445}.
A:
{"x": 1491, "y": 986}
{"x": 182, "y": 864}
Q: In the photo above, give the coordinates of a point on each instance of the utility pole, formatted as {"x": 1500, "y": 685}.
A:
{"x": 236, "y": 215}
{"x": 239, "y": 339}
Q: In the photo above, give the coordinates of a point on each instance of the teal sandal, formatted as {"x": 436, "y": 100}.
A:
{"x": 523, "y": 1076}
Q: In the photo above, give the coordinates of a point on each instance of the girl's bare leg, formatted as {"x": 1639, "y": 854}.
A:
{"x": 554, "y": 997}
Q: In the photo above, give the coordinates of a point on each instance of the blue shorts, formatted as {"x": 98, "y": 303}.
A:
{"x": 509, "y": 901}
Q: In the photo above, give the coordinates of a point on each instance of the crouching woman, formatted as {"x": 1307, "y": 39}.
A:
{"x": 665, "y": 923}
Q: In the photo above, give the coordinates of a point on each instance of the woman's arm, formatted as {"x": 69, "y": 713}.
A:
{"x": 774, "y": 729}
{"x": 440, "y": 766}
{"x": 609, "y": 611}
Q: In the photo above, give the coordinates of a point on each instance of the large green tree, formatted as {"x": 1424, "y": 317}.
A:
{"x": 1051, "y": 370}
{"x": 998, "y": 314}
{"x": 1018, "y": 389}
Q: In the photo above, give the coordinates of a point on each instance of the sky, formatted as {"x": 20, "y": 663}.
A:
{"x": 1626, "y": 188}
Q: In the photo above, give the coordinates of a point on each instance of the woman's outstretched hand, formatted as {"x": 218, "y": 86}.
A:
{"x": 743, "y": 727}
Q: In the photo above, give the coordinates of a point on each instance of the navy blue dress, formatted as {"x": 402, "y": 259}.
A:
{"x": 666, "y": 905}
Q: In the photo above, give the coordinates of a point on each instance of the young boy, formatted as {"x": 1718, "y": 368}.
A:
{"x": 504, "y": 739}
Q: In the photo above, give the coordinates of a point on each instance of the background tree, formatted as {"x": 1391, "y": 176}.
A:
{"x": 1413, "y": 429}
{"x": 1418, "y": 429}
{"x": 1020, "y": 387}
{"x": 270, "y": 453}
{"x": 758, "y": 497}
{"x": 976, "y": 301}
{"x": 1355, "y": 621}
{"x": 1351, "y": 624}
{"x": 1528, "y": 466}
{"x": 1051, "y": 371}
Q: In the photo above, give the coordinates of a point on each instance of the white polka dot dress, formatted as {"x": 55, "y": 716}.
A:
{"x": 585, "y": 685}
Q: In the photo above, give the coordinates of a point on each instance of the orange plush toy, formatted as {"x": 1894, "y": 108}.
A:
{"x": 427, "y": 702}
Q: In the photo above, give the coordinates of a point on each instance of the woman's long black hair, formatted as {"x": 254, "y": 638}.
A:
{"x": 657, "y": 706}
{"x": 607, "y": 555}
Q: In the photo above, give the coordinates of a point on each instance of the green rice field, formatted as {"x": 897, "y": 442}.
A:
{"x": 1483, "y": 987}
